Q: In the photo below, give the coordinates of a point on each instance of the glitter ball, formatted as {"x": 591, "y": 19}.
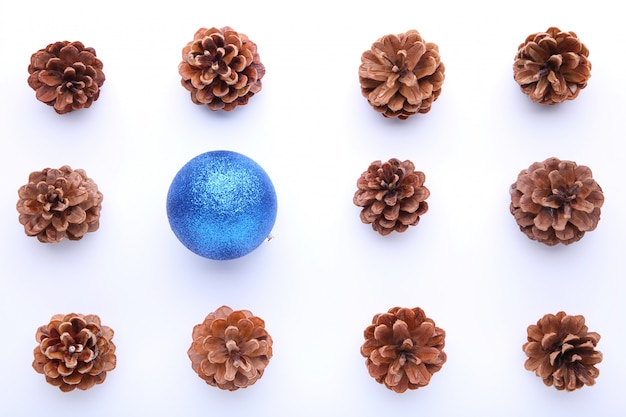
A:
{"x": 221, "y": 205}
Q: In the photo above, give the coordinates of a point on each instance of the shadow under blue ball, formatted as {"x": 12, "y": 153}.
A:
{"x": 221, "y": 205}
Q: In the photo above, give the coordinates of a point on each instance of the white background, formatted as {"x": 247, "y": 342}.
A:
{"x": 325, "y": 274}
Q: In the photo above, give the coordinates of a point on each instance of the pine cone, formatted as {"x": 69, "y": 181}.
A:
{"x": 59, "y": 203}
{"x": 74, "y": 351}
{"x": 401, "y": 75}
{"x": 66, "y": 75}
{"x": 392, "y": 195}
{"x": 556, "y": 201}
{"x": 562, "y": 351}
{"x": 221, "y": 68}
{"x": 403, "y": 348}
{"x": 230, "y": 349}
{"x": 552, "y": 66}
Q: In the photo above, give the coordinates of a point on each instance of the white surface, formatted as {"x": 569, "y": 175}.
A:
{"x": 324, "y": 276}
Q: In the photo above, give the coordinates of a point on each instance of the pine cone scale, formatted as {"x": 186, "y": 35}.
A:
{"x": 75, "y": 231}
{"x": 544, "y": 220}
{"x": 53, "y": 351}
{"x": 397, "y": 101}
{"x": 408, "y": 219}
{"x": 420, "y": 193}
{"x": 34, "y": 225}
{"x": 87, "y": 359}
{"x": 549, "y": 339}
{"x": 581, "y": 220}
{"x": 382, "y": 333}
{"x": 421, "y": 375}
{"x": 575, "y": 76}
{"x": 401, "y": 333}
{"x": 231, "y": 370}
{"x": 595, "y": 197}
{"x": 378, "y": 358}
{"x": 423, "y": 333}
{"x": 207, "y": 367}
{"x": 218, "y": 351}
{"x": 65, "y": 371}
{"x": 382, "y": 93}
{"x": 242, "y": 381}
{"x": 414, "y": 62}
{"x": 425, "y": 69}
{"x": 429, "y": 355}
{"x": 68, "y": 54}
{"x": 50, "y": 78}
{"x": 374, "y": 73}
{"x": 48, "y": 369}
{"x": 251, "y": 346}
{"x": 73, "y": 378}
{"x": 46, "y": 93}
{"x": 409, "y": 92}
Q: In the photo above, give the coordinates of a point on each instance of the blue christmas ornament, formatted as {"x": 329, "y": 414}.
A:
{"x": 221, "y": 205}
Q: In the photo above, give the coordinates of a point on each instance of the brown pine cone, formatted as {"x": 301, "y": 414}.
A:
{"x": 556, "y": 201}
{"x": 401, "y": 75}
{"x": 403, "y": 348}
{"x": 74, "y": 351}
{"x": 66, "y": 75}
{"x": 221, "y": 68}
{"x": 59, "y": 203}
{"x": 230, "y": 349}
{"x": 392, "y": 195}
{"x": 562, "y": 351}
{"x": 552, "y": 66}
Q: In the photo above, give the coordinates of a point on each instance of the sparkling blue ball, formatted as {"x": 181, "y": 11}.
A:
{"x": 221, "y": 205}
